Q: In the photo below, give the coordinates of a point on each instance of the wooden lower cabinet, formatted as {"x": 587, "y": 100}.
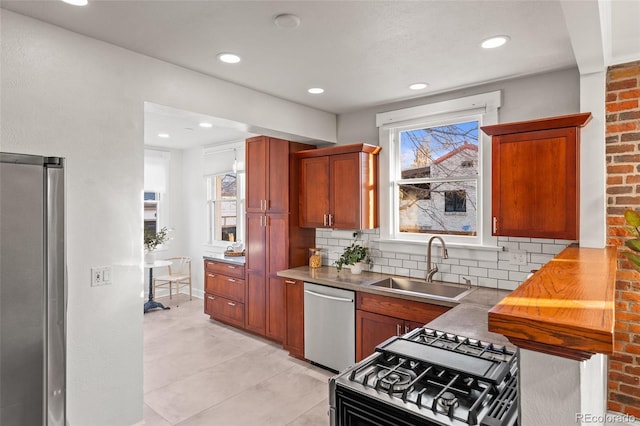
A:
{"x": 293, "y": 317}
{"x": 381, "y": 317}
{"x": 275, "y": 310}
{"x": 224, "y": 292}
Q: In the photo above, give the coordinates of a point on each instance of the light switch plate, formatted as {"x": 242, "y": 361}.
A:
{"x": 100, "y": 276}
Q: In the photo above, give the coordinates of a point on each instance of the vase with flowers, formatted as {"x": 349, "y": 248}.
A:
{"x": 152, "y": 240}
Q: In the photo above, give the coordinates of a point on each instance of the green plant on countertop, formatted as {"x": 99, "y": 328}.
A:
{"x": 353, "y": 254}
{"x": 153, "y": 239}
{"x": 633, "y": 221}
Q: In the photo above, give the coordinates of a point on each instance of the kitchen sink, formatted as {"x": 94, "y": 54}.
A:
{"x": 435, "y": 289}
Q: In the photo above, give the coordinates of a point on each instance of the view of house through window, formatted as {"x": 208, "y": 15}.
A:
{"x": 438, "y": 178}
{"x": 223, "y": 204}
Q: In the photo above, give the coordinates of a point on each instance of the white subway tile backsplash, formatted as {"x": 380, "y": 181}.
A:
{"x": 540, "y": 258}
{"x": 498, "y": 274}
{"x": 479, "y": 272}
{"x": 411, "y": 264}
{"x": 460, "y": 270}
{"x": 395, "y": 262}
{"x": 487, "y": 282}
{"x": 493, "y": 274}
{"x": 531, "y": 247}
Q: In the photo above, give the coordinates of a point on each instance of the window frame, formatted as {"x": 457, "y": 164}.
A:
{"x": 484, "y": 109}
{"x": 210, "y": 180}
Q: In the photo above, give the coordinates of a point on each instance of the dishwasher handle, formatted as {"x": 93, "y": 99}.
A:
{"x": 324, "y": 296}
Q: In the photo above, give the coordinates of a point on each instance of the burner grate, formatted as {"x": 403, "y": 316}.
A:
{"x": 504, "y": 406}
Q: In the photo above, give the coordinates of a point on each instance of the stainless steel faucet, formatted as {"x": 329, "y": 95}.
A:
{"x": 433, "y": 269}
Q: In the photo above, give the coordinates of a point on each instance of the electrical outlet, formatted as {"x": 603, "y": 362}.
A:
{"x": 517, "y": 257}
{"x": 100, "y": 276}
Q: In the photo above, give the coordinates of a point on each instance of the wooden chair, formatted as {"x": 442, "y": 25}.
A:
{"x": 179, "y": 274}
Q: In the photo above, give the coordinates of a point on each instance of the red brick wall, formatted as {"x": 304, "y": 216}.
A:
{"x": 623, "y": 192}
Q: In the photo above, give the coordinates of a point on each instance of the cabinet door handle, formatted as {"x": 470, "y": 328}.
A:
{"x": 231, "y": 267}
{"x": 406, "y": 329}
{"x": 398, "y": 329}
{"x": 324, "y": 219}
{"x": 231, "y": 304}
{"x": 289, "y": 282}
{"x": 495, "y": 224}
{"x": 211, "y": 275}
{"x": 211, "y": 297}
{"x": 330, "y": 220}
{"x": 231, "y": 280}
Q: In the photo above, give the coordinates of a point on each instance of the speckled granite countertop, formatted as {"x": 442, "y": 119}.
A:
{"x": 467, "y": 318}
{"x": 236, "y": 260}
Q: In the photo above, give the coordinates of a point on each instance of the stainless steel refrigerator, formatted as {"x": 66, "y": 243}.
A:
{"x": 32, "y": 291}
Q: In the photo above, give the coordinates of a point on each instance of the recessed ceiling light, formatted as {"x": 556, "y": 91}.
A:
{"x": 493, "y": 42}
{"x": 287, "y": 21}
{"x": 77, "y": 2}
{"x": 315, "y": 90}
{"x": 229, "y": 58}
{"x": 163, "y": 135}
{"x": 206, "y": 125}
{"x": 418, "y": 86}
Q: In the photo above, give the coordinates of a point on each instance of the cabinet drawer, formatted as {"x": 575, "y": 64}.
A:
{"x": 399, "y": 308}
{"x": 225, "y": 310}
{"x": 225, "y": 286}
{"x": 236, "y": 271}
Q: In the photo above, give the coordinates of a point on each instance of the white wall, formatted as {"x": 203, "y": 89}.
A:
{"x": 68, "y": 95}
{"x": 525, "y": 98}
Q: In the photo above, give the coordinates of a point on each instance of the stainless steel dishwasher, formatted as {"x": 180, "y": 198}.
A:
{"x": 329, "y": 326}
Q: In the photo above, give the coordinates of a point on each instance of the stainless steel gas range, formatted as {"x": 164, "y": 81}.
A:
{"x": 428, "y": 377}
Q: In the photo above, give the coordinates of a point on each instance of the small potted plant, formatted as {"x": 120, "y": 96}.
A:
{"x": 354, "y": 255}
{"x": 151, "y": 242}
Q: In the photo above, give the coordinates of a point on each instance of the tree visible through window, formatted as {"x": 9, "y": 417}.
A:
{"x": 438, "y": 179}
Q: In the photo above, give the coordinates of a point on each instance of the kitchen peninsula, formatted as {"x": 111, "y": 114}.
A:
{"x": 562, "y": 318}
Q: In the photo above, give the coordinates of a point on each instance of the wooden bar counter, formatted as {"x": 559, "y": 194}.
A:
{"x": 566, "y": 308}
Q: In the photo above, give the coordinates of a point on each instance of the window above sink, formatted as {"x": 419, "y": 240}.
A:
{"x": 434, "y": 163}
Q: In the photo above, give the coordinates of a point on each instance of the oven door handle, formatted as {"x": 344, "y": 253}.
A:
{"x": 324, "y": 296}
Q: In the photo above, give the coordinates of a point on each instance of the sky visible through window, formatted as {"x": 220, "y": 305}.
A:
{"x": 421, "y": 147}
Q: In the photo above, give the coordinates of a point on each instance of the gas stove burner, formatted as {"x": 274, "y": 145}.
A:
{"x": 448, "y": 399}
{"x": 395, "y": 381}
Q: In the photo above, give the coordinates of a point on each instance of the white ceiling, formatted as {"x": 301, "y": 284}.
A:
{"x": 363, "y": 53}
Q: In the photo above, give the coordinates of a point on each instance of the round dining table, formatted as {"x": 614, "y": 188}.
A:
{"x": 152, "y": 304}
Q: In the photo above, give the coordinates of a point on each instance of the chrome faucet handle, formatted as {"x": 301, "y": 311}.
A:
{"x": 445, "y": 253}
{"x": 467, "y": 281}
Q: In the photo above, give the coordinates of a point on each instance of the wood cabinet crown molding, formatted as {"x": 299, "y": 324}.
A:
{"x": 566, "y": 308}
{"x": 559, "y": 122}
{"x": 340, "y": 149}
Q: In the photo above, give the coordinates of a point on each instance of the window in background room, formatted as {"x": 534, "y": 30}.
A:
{"x": 437, "y": 179}
{"x": 156, "y": 171}
{"x": 224, "y": 207}
{"x": 151, "y": 201}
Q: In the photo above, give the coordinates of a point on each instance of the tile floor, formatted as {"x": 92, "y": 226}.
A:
{"x": 201, "y": 372}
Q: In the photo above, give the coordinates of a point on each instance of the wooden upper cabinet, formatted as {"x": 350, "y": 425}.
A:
{"x": 267, "y": 164}
{"x": 339, "y": 187}
{"x": 536, "y": 177}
